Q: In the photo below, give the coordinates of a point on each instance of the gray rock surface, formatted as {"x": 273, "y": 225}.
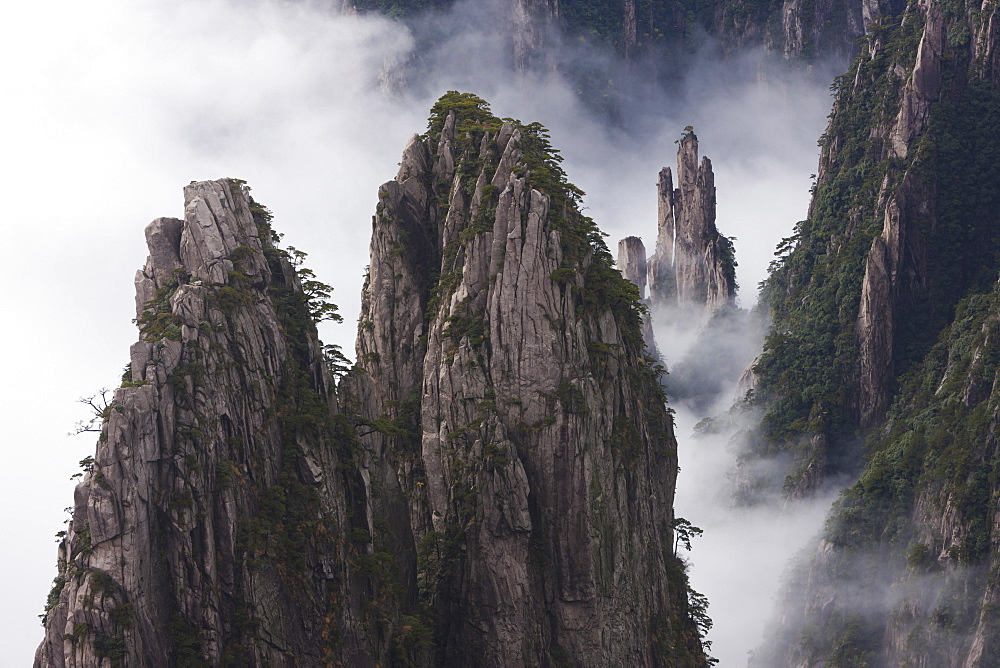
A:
{"x": 632, "y": 262}
{"x": 693, "y": 264}
{"x": 492, "y": 485}
{"x": 518, "y": 429}
{"x": 210, "y": 526}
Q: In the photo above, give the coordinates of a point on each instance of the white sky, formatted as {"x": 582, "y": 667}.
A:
{"x": 110, "y": 108}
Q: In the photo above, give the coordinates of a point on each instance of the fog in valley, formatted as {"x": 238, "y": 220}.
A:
{"x": 751, "y": 532}
{"x": 116, "y": 106}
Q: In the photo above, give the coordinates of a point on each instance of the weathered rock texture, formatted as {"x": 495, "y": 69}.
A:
{"x": 209, "y": 529}
{"x": 632, "y": 264}
{"x": 517, "y": 426}
{"x": 531, "y": 23}
{"x": 693, "y": 265}
{"x": 492, "y": 486}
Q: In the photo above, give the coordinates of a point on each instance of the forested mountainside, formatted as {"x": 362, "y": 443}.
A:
{"x": 883, "y": 351}
{"x": 637, "y": 29}
{"x": 902, "y": 226}
{"x": 491, "y": 484}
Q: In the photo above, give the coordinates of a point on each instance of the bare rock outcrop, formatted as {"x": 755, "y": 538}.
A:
{"x": 693, "y": 265}
{"x": 632, "y": 264}
{"x": 208, "y": 528}
{"x": 895, "y": 275}
{"x": 514, "y": 414}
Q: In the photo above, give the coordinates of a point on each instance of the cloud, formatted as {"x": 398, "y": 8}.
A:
{"x": 739, "y": 561}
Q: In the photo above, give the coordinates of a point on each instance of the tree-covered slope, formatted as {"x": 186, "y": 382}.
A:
{"x": 882, "y": 357}
{"x": 903, "y": 223}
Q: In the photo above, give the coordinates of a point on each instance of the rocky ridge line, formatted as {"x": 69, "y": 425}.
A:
{"x": 493, "y": 483}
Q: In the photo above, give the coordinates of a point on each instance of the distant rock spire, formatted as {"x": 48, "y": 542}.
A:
{"x": 693, "y": 264}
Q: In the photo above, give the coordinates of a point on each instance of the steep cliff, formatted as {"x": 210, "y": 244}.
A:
{"x": 694, "y": 265}
{"x": 632, "y": 264}
{"x": 208, "y": 529}
{"x": 902, "y": 225}
{"x": 885, "y": 317}
{"x": 492, "y": 484}
{"x": 905, "y": 571}
{"x": 514, "y": 413}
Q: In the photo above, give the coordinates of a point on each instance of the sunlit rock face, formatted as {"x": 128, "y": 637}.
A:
{"x": 632, "y": 264}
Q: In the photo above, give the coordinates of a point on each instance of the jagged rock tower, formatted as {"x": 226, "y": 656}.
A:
{"x": 492, "y": 485}
{"x": 209, "y": 529}
{"x": 693, "y": 264}
{"x": 524, "y": 446}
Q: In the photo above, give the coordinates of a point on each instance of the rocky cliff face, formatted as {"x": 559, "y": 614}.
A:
{"x": 531, "y": 22}
{"x": 694, "y": 265}
{"x": 891, "y": 292}
{"x": 902, "y": 575}
{"x": 209, "y": 526}
{"x": 515, "y": 416}
{"x": 492, "y": 484}
{"x": 632, "y": 264}
{"x": 874, "y": 273}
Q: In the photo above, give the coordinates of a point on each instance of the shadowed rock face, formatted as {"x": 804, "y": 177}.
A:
{"x": 693, "y": 264}
{"x": 492, "y": 485}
